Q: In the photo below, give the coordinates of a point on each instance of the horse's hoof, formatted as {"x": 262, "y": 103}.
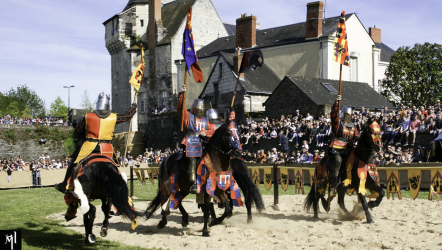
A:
{"x": 249, "y": 220}
{"x": 103, "y": 232}
{"x": 185, "y": 222}
{"x": 206, "y": 233}
{"x": 213, "y": 222}
{"x": 161, "y": 225}
{"x": 370, "y": 221}
{"x": 90, "y": 239}
{"x": 229, "y": 214}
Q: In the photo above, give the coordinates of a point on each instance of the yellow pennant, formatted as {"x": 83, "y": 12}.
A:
{"x": 134, "y": 224}
{"x": 299, "y": 182}
{"x": 284, "y": 177}
{"x": 137, "y": 173}
{"x": 312, "y": 176}
{"x": 268, "y": 178}
{"x": 435, "y": 184}
{"x": 150, "y": 174}
{"x": 393, "y": 184}
{"x": 255, "y": 176}
{"x": 414, "y": 179}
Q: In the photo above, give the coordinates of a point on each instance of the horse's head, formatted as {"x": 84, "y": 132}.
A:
{"x": 372, "y": 134}
{"x": 226, "y": 139}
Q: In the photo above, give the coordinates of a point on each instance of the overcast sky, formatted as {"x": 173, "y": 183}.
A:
{"x": 47, "y": 44}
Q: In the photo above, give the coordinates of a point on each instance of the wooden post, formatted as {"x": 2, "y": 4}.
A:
{"x": 238, "y": 53}
{"x": 275, "y": 185}
{"x": 184, "y": 100}
{"x": 131, "y": 182}
{"x": 128, "y": 132}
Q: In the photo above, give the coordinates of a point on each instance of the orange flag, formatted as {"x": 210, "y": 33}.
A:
{"x": 341, "y": 45}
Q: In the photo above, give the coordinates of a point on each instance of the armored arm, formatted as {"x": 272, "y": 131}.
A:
{"x": 128, "y": 115}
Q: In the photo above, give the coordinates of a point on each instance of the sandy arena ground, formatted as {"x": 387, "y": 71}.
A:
{"x": 399, "y": 224}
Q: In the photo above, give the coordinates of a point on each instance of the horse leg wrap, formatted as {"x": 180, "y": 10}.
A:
{"x": 78, "y": 192}
{"x": 124, "y": 176}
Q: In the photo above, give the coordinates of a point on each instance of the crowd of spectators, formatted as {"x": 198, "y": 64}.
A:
{"x": 48, "y": 121}
{"x": 150, "y": 156}
{"x": 157, "y": 111}
{"x": 400, "y": 128}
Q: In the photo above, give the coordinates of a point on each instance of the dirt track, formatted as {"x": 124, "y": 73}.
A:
{"x": 399, "y": 224}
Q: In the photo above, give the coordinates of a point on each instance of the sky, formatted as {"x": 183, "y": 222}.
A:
{"x": 48, "y": 44}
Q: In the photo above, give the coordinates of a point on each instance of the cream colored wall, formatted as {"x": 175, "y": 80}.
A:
{"x": 359, "y": 43}
{"x": 295, "y": 59}
{"x": 194, "y": 88}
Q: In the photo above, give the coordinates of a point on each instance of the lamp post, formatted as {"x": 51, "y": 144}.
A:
{"x": 69, "y": 96}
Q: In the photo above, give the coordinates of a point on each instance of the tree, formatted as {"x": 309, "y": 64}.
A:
{"x": 86, "y": 102}
{"x": 59, "y": 109}
{"x": 22, "y": 102}
{"x": 414, "y": 76}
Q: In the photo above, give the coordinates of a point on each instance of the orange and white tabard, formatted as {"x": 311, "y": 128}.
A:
{"x": 99, "y": 129}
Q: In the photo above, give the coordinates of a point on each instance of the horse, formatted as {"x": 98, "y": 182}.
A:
{"x": 353, "y": 173}
{"x": 221, "y": 147}
{"x": 99, "y": 178}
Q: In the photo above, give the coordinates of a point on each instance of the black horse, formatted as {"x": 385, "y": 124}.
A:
{"x": 101, "y": 180}
{"x": 220, "y": 148}
{"x": 361, "y": 160}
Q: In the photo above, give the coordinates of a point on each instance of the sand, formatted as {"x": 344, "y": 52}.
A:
{"x": 399, "y": 224}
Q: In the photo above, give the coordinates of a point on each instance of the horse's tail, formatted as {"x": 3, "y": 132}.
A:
{"x": 251, "y": 192}
{"x": 310, "y": 200}
{"x": 156, "y": 202}
{"x": 116, "y": 188}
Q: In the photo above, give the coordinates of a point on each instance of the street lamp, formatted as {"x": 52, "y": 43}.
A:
{"x": 69, "y": 96}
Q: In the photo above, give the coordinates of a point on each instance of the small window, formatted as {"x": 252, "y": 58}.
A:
{"x": 215, "y": 86}
{"x": 128, "y": 29}
{"x": 142, "y": 107}
{"x": 329, "y": 87}
{"x": 379, "y": 83}
{"x": 142, "y": 22}
{"x": 220, "y": 70}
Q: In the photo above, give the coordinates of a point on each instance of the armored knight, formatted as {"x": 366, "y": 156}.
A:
{"x": 196, "y": 125}
{"x": 98, "y": 127}
{"x": 344, "y": 132}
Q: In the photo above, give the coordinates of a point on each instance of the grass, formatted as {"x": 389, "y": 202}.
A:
{"x": 26, "y": 210}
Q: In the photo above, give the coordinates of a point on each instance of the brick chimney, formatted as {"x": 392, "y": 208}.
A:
{"x": 246, "y": 31}
{"x": 237, "y": 63}
{"x": 313, "y": 24}
{"x": 154, "y": 16}
{"x": 375, "y": 34}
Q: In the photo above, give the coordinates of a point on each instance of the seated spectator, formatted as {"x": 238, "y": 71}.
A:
{"x": 414, "y": 127}
{"x": 261, "y": 156}
{"x": 316, "y": 157}
{"x": 404, "y": 130}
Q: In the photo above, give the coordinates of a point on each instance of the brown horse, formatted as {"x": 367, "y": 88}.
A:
{"x": 357, "y": 173}
{"x": 220, "y": 148}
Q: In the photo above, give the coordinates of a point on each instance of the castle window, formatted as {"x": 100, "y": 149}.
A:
{"x": 142, "y": 22}
{"x": 128, "y": 29}
{"x": 353, "y": 69}
{"x": 215, "y": 86}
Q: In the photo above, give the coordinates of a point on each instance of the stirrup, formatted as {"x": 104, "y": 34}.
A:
{"x": 193, "y": 189}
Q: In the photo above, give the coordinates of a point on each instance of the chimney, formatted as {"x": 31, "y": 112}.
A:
{"x": 237, "y": 63}
{"x": 246, "y": 31}
{"x": 375, "y": 34}
{"x": 154, "y": 16}
{"x": 313, "y": 25}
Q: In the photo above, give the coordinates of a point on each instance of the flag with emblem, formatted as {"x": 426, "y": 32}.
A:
{"x": 188, "y": 50}
{"x": 137, "y": 75}
{"x": 341, "y": 45}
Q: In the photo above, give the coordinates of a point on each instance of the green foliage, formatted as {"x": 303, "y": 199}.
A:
{"x": 86, "y": 102}
{"x": 28, "y": 130}
{"x": 59, "y": 109}
{"x": 42, "y": 130}
{"x": 69, "y": 145}
{"x": 414, "y": 76}
{"x": 33, "y": 136}
{"x": 10, "y": 134}
{"x": 21, "y": 102}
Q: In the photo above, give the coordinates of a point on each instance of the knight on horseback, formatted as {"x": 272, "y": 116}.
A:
{"x": 98, "y": 126}
{"x": 196, "y": 125}
{"x": 344, "y": 132}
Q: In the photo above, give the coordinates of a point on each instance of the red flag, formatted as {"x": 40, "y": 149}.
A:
{"x": 188, "y": 50}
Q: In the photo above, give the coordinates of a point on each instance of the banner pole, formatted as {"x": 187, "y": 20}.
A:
{"x": 184, "y": 101}
{"x": 238, "y": 53}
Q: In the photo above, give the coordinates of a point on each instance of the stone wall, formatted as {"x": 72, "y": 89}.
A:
{"x": 23, "y": 127}
{"x": 30, "y": 150}
{"x": 163, "y": 131}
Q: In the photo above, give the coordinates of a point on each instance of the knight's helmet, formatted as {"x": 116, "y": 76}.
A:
{"x": 212, "y": 115}
{"x": 197, "y": 108}
{"x": 103, "y": 102}
{"x": 346, "y": 115}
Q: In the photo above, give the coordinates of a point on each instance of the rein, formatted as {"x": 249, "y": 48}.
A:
{"x": 218, "y": 149}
